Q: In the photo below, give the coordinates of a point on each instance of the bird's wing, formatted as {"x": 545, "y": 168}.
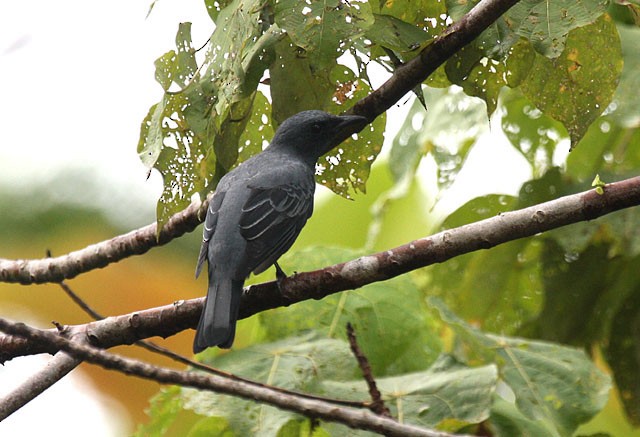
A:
{"x": 210, "y": 223}
{"x": 271, "y": 220}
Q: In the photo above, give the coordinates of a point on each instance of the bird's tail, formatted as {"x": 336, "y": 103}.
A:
{"x": 217, "y": 326}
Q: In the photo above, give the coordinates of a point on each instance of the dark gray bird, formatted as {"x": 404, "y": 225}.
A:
{"x": 257, "y": 212}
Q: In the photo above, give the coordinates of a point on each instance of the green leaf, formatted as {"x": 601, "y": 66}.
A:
{"x": 448, "y": 396}
{"x": 547, "y": 23}
{"x": 427, "y": 15}
{"x": 295, "y": 363}
{"x": 163, "y": 410}
{"x": 388, "y": 316}
{"x": 320, "y": 27}
{"x": 298, "y": 81}
{"x": 534, "y": 134}
{"x": 444, "y": 131}
{"x": 607, "y": 148}
{"x": 623, "y": 352}
{"x": 258, "y": 131}
{"x": 346, "y": 168}
{"x": 626, "y": 110}
{"x": 555, "y": 384}
{"x": 177, "y": 66}
{"x": 575, "y": 286}
{"x": 507, "y": 420}
{"x": 576, "y": 87}
{"x": 211, "y": 427}
{"x": 497, "y": 289}
{"x": 393, "y": 33}
{"x": 484, "y": 77}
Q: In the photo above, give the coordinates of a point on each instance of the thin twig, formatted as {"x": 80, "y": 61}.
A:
{"x": 377, "y": 406}
{"x": 80, "y": 302}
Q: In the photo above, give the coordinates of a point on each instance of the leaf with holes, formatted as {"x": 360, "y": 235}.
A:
{"x": 321, "y": 27}
{"x": 576, "y": 87}
{"x": 546, "y": 23}
{"x": 191, "y": 136}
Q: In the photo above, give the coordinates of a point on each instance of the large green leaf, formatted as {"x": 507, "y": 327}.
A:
{"x": 448, "y": 395}
{"x": 404, "y": 28}
{"x": 553, "y": 384}
{"x": 346, "y": 168}
{"x": 498, "y": 288}
{"x": 298, "y": 82}
{"x": 163, "y": 410}
{"x": 546, "y": 23}
{"x": 178, "y": 65}
{"x": 576, "y": 295}
{"x": 576, "y": 87}
{"x": 299, "y": 364}
{"x": 321, "y": 27}
{"x": 388, "y": 316}
{"x": 607, "y": 149}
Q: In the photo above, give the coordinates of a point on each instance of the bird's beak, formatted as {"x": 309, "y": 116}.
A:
{"x": 347, "y": 126}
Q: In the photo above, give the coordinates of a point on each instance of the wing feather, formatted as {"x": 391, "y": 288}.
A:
{"x": 210, "y": 222}
{"x": 271, "y": 220}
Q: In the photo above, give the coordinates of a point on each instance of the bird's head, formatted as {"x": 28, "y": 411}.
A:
{"x": 311, "y": 134}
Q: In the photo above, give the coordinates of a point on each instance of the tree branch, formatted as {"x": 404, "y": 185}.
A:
{"x": 53, "y": 371}
{"x": 171, "y": 319}
{"x": 141, "y": 240}
{"x": 99, "y": 255}
{"x": 156, "y": 348}
{"x": 416, "y": 71}
{"x": 359, "y": 419}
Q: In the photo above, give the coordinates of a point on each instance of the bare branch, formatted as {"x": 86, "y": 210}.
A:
{"x": 141, "y": 240}
{"x": 59, "y": 366}
{"x": 99, "y": 255}
{"x": 359, "y": 419}
{"x": 36, "y": 384}
{"x": 171, "y": 319}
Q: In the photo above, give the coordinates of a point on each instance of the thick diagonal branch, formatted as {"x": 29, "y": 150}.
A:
{"x": 484, "y": 234}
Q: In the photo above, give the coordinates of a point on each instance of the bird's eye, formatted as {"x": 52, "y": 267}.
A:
{"x": 316, "y": 128}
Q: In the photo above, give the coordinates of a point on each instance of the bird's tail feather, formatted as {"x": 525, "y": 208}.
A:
{"x": 217, "y": 326}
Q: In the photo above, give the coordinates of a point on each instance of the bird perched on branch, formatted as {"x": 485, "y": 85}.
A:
{"x": 257, "y": 212}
